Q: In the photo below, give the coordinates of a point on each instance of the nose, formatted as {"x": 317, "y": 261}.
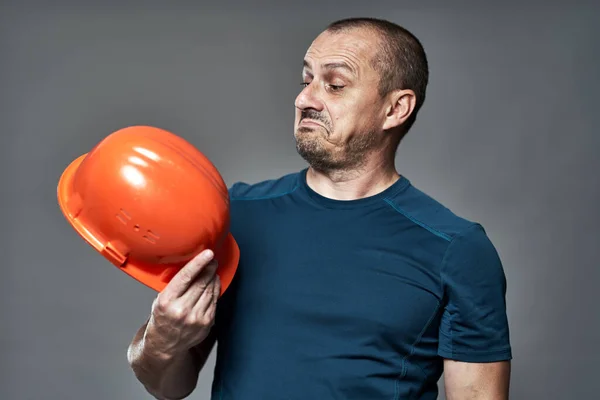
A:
{"x": 308, "y": 98}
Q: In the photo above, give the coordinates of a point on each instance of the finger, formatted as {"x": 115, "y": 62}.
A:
{"x": 202, "y": 283}
{"x": 199, "y": 309}
{"x": 212, "y": 308}
{"x": 204, "y": 306}
{"x": 186, "y": 276}
{"x": 217, "y": 289}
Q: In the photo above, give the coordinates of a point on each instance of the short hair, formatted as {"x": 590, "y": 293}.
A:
{"x": 401, "y": 60}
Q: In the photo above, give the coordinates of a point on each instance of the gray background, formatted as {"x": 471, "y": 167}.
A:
{"x": 507, "y": 137}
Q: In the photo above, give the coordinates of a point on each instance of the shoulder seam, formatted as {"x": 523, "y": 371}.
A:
{"x": 272, "y": 196}
{"x": 416, "y": 221}
{"x": 447, "y": 251}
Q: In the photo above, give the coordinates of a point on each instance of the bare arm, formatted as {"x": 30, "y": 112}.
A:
{"x": 169, "y": 350}
{"x": 476, "y": 381}
{"x": 168, "y": 378}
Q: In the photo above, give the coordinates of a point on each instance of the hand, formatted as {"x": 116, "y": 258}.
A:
{"x": 184, "y": 312}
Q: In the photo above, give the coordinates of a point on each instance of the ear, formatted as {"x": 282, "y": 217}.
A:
{"x": 401, "y": 105}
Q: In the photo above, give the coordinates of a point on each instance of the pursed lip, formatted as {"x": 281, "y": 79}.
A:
{"x": 310, "y": 122}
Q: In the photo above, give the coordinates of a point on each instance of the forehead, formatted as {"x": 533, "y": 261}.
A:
{"x": 357, "y": 47}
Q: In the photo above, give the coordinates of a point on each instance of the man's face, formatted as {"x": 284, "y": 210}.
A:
{"x": 339, "y": 113}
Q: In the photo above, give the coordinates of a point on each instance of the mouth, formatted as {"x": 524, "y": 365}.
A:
{"x": 307, "y": 122}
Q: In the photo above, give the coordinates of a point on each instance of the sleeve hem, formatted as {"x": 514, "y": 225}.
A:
{"x": 489, "y": 356}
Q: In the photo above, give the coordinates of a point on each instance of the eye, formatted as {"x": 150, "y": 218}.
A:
{"x": 336, "y": 88}
{"x": 304, "y": 84}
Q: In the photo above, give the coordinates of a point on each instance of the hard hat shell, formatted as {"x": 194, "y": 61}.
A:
{"x": 149, "y": 201}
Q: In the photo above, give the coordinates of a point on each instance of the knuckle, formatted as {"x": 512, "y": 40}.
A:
{"x": 190, "y": 320}
{"x": 201, "y": 282}
{"x": 204, "y": 284}
{"x": 177, "y": 312}
{"x": 160, "y": 304}
{"x": 207, "y": 320}
{"x": 185, "y": 277}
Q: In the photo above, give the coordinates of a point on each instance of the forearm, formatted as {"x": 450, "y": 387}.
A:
{"x": 166, "y": 377}
{"x": 169, "y": 350}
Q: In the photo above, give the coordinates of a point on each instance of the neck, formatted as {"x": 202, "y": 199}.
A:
{"x": 368, "y": 180}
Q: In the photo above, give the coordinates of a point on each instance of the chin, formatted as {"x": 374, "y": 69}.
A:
{"x": 313, "y": 150}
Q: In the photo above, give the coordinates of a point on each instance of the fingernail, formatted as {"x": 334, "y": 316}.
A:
{"x": 208, "y": 254}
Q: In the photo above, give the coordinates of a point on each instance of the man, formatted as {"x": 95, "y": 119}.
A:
{"x": 352, "y": 283}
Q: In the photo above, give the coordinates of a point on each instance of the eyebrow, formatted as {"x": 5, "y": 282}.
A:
{"x": 333, "y": 65}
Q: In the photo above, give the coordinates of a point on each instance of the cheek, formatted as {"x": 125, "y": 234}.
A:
{"x": 340, "y": 118}
{"x": 352, "y": 117}
{"x": 346, "y": 122}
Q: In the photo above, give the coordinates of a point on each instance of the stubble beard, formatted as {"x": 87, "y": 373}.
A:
{"x": 310, "y": 145}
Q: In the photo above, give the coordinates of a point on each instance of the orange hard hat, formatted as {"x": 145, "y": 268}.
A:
{"x": 149, "y": 201}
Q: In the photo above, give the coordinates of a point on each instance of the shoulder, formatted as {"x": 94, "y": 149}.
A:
{"x": 470, "y": 263}
{"x": 265, "y": 189}
{"x": 465, "y": 238}
{"x": 427, "y": 212}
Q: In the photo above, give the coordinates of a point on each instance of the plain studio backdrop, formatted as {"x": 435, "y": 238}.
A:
{"x": 508, "y": 137}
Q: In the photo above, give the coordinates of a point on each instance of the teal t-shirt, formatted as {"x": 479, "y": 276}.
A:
{"x": 358, "y": 299}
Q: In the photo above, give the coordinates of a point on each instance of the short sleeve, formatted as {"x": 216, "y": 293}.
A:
{"x": 474, "y": 326}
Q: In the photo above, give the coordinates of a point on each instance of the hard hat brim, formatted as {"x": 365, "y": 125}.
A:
{"x": 153, "y": 276}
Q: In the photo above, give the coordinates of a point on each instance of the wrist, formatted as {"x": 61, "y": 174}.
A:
{"x": 156, "y": 351}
